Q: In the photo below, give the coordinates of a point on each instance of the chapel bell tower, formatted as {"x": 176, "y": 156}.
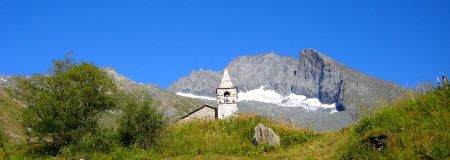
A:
{"x": 226, "y": 97}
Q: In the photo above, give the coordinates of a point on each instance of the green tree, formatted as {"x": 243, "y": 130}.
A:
{"x": 67, "y": 103}
{"x": 141, "y": 123}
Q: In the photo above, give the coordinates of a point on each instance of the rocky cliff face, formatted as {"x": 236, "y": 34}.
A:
{"x": 313, "y": 75}
{"x": 331, "y": 82}
{"x": 318, "y": 76}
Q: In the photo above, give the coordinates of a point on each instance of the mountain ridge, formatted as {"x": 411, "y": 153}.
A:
{"x": 313, "y": 74}
{"x": 172, "y": 105}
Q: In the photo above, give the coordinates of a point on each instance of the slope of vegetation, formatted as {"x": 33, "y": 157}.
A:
{"x": 131, "y": 127}
{"x": 417, "y": 128}
{"x": 220, "y": 139}
{"x": 227, "y": 139}
{"x": 10, "y": 117}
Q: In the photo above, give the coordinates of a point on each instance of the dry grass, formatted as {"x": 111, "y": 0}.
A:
{"x": 10, "y": 117}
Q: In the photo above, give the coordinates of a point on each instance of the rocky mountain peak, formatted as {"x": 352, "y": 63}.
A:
{"x": 313, "y": 75}
{"x": 311, "y": 52}
{"x": 313, "y": 56}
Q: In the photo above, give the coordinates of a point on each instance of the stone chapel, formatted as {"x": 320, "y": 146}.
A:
{"x": 227, "y": 103}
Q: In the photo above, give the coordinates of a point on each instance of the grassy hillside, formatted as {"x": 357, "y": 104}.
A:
{"x": 226, "y": 137}
{"x": 417, "y": 128}
{"x": 11, "y": 113}
{"x": 229, "y": 139}
{"x": 10, "y": 117}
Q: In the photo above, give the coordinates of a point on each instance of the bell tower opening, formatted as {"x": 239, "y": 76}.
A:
{"x": 226, "y": 95}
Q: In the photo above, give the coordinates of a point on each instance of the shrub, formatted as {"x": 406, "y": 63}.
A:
{"x": 140, "y": 123}
{"x": 103, "y": 140}
{"x": 65, "y": 105}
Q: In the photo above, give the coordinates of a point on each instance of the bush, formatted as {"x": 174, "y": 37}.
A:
{"x": 103, "y": 140}
{"x": 65, "y": 105}
{"x": 140, "y": 123}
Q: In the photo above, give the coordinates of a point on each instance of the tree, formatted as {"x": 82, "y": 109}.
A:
{"x": 140, "y": 123}
{"x": 66, "y": 104}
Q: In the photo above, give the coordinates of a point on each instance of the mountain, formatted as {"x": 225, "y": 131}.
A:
{"x": 174, "y": 106}
{"x": 314, "y": 75}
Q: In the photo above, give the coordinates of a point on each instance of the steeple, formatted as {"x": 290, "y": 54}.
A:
{"x": 226, "y": 80}
{"x": 227, "y": 97}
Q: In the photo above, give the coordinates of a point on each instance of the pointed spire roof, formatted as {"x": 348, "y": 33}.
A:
{"x": 226, "y": 80}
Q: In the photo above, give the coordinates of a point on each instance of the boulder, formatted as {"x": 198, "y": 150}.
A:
{"x": 264, "y": 135}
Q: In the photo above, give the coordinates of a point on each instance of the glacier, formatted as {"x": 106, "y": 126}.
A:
{"x": 269, "y": 96}
{"x": 292, "y": 100}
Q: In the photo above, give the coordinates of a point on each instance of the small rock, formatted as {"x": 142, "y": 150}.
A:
{"x": 265, "y": 135}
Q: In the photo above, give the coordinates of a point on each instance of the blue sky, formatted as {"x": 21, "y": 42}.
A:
{"x": 157, "y": 42}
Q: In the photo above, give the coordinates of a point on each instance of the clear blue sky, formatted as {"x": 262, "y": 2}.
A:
{"x": 157, "y": 42}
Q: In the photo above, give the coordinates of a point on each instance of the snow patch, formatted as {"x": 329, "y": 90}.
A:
{"x": 195, "y": 96}
{"x": 270, "y": 96}
{"x": 2, "y": 79}
{"x": 292, "y": 100}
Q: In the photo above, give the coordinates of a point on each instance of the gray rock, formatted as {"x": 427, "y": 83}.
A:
{"x": 264, "y": 135}
{"x": 313, "y": 75}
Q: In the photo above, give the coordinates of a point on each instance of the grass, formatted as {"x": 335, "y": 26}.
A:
{"x": 231, "y": 139}
{"x": 10, "y": 117}
{"x": 226, "y": 137}
{"x": 415, "y": 128}
{"x": 219, "y": 139}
